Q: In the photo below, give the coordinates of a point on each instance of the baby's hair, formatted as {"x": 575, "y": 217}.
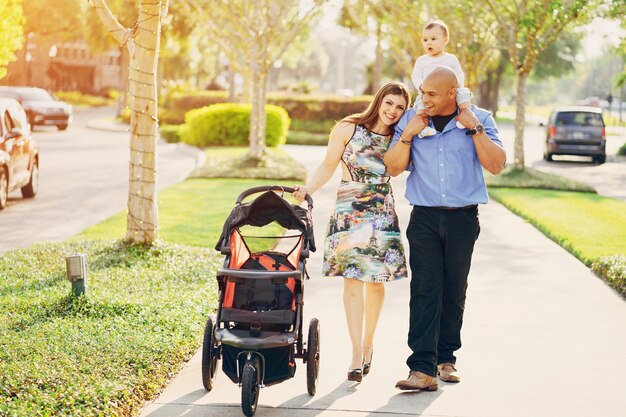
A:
{"x": 440, "y": 24}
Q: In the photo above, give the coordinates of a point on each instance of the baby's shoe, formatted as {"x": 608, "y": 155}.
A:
{"x": 427, "y": 131}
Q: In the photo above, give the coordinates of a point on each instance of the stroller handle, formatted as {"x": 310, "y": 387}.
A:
{"x": 263, "y": 188}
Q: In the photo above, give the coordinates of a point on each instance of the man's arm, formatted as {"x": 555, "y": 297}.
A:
{"x": 398, "y": 155}
{"x": 488, "y": 146}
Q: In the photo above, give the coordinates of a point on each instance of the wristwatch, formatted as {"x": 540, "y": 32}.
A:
{"x": 477, "y": 130}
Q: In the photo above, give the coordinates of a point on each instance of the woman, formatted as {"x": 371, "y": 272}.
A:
{"x": 363, "y": 243}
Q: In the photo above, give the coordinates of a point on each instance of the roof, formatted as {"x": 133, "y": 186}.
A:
{"x": 587, "y": 109}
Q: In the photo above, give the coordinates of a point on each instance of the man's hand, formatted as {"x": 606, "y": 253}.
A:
{"x": 467, "y": 118}
{"x": 415, "y": 125}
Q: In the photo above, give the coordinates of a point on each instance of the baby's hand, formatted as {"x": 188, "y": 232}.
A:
{"x": 416, "y": 124}
{"x": 467, "y": 118}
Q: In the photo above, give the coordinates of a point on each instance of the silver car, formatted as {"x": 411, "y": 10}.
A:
{"x": 577, "y": 130}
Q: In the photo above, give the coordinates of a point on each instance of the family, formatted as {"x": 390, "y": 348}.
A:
{"x": 444, "y": 142}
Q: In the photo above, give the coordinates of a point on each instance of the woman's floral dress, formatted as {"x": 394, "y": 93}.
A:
{"x": 363, "y": 239}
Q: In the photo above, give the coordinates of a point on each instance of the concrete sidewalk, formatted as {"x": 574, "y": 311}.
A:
{"x": 542, "y": 337}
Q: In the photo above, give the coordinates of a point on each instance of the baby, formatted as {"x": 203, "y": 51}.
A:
{"x": 434, "y": 38}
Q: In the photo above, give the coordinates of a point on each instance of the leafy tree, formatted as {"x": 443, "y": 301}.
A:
{"x": 370, "y": 18}
{"x": 142, "y": 40}
{"x": 11, "y": 32}
{"x": 526, "y": 29}
{"x": 259, "y": 35}
{"x": 50, "y": 20}
{"x": 617, "y": 10}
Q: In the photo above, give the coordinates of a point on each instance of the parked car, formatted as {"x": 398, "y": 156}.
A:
{"x": 41, "y": 108}
{"x": 577, "y": 130}
{"x": 19, "y": 153}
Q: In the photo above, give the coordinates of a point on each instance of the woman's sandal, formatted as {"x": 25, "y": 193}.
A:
{"x": 367, "y": 366}
{"x": 355, "y": 374}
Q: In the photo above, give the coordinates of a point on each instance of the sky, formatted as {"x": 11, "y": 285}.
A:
{"x": 602, "y": 34}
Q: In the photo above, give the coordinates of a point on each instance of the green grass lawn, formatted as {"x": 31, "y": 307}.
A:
{"x": 585, "y": 224}
{"x": 106, "y": 353}
{"x": 232, "y": 162}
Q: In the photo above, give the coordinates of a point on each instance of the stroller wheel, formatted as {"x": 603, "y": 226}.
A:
{"x": 249, "y": 390}
{"x": 209, "y": 356}
{"x": 313, "y": 356}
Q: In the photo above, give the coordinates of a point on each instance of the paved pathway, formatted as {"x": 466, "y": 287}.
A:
{"x": 543, "y": 337}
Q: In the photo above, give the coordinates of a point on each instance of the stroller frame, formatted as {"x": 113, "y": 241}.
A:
{"x": 258, "y": 344}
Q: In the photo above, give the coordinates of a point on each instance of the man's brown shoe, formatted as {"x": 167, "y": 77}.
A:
{"x": 418, "y": 380}
{"x": 448, "y": 373}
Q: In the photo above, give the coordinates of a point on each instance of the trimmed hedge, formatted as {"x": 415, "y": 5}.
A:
{"x": 325, "y": 110}
{"x": 229, "y": 124}
{"x": 622, "y": 150}
{"x": 172, "y": 133}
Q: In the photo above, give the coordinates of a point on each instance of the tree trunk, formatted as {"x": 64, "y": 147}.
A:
{"x": 231, "y": 83}
{"x": 122, "y": 100}
{"x": 520, "y": 112}
{"x": 142, "y": 219}
{"x": 257, "y": 116}
{"x": 143, "y": 46}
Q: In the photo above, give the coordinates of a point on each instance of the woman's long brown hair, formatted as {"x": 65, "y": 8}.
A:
{"x": 369, "y": 116}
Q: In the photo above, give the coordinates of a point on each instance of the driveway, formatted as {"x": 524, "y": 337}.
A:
{"x": 83, "y": 180}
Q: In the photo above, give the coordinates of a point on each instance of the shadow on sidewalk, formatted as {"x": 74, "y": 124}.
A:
{"x": 320, "y": 404}
{"x": 415, "y": 401}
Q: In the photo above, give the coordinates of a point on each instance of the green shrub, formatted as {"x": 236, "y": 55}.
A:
{"x": 612, "y": 269}
{"x": 229, "y": 124}
{"x": 622, "y": 149}
{"x": 186, "y": 102}
{"x": 172, "y": 133}
{"x": 295, "y": 137}
{"x": 320, "y": 108}
{"x": 76, "y": 98}
{"x": 301, "y": 107}
{"x": 313, "y": 126}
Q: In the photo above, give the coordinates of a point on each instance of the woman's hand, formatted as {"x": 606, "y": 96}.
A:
{"x": 300, "y": 192}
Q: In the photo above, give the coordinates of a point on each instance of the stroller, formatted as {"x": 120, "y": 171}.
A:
{"x": 258, "y": 329}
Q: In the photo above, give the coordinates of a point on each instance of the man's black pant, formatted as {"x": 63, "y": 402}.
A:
{"x": 441, "y": 242}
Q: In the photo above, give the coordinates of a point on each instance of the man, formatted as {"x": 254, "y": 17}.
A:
{"x": 444, "y": 187}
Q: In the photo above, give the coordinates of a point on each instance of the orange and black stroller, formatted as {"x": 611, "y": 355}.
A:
{"x": 258, "y": 328}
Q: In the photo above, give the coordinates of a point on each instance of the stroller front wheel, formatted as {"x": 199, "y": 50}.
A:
{"x": 209, "y": 356}
{"x": 249, "y": 390}
{"x": 313, "y": 356}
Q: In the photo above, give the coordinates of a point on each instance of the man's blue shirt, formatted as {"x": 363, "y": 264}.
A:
{"x": 444, "y": 168}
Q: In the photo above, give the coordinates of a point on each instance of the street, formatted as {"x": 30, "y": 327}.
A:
{"x": 83, "y": 180}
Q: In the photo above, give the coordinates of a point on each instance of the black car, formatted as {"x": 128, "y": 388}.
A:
{"x": 19, "y": 153}
{"x": 577, "y": 130}
{"x": 41, "y": 108}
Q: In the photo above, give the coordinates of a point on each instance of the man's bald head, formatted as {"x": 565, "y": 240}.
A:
{"x": 444, "y": 75}
{"x": 439, "y": 92}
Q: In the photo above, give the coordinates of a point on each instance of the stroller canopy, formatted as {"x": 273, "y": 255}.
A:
{"x": 263, "y": 210}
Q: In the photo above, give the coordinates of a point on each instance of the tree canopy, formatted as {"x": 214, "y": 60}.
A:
{"x": 11, "y": 31}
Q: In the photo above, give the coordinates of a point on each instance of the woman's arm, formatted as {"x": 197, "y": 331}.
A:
{"x": 339, "y": 137}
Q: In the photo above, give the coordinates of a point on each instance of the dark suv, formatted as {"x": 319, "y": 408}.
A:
{"x": 42, "y": 109}
{"x": 19, "y": 154}
{"x": 576, "y": 131}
